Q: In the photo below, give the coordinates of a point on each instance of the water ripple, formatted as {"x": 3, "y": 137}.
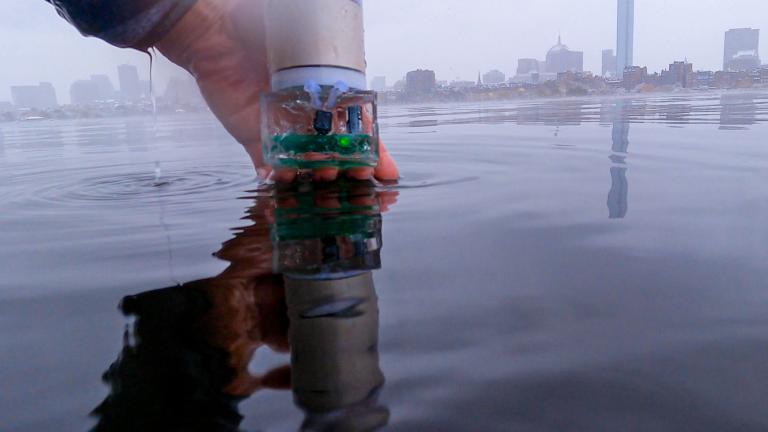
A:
{"x": 134, "y": 188}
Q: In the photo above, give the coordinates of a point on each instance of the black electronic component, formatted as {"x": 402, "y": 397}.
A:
{"x": 323, "y": 122}
{"x": 355, "y": 119}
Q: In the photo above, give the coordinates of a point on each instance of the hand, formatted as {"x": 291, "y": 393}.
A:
{"x": 222, "y": 44}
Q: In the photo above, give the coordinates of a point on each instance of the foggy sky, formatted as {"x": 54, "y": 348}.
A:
{"x": 455, "y": 38}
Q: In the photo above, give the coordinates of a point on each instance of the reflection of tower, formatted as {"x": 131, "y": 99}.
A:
{"x": 737, "y": 111}
{"x": 618, "y": 197}
{"x": 625, "y": 37}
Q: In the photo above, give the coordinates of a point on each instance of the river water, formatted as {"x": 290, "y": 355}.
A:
{"x": 570, "y": 265}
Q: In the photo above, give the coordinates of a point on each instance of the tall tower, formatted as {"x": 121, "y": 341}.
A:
{"x": 625, "y": 36}
{"x": 742, "y": 42}
{"x": 130, "y": 84}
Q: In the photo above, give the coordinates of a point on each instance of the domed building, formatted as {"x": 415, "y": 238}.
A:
{"x": 561, "y": 59}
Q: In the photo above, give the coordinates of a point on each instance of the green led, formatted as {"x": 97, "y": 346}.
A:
{"x": 345, "y": 141}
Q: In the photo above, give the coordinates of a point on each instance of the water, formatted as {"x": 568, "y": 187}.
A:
{"x": 544, "y": 266}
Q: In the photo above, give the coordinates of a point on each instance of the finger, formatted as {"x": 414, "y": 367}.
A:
{"x": 387, "y": 199}
{"x": 325, "y": 174}
{"x": 360, "y": 173}
{"x": 362, "y": 195}
{"x": 284, "y": 175}
{"x": 327, "y": 200}
{"x": 387, "y": 169}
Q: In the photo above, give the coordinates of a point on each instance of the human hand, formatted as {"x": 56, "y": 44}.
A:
{"x": 222, "y": 44}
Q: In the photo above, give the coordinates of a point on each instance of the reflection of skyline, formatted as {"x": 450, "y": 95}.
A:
{"x": 618, "y": 196}
{"x": 186, "y": 360}
{"x": 570, "y": 113}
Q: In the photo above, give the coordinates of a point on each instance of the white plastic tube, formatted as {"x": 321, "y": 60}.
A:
{"x": 319, "y": 40}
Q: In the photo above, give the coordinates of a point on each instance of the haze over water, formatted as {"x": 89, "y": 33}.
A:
{"x": 564, "y": 265}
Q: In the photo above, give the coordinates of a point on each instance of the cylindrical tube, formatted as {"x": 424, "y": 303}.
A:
{"x": 320, "y": 39}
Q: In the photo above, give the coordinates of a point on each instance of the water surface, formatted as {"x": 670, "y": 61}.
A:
{"x": 560, "y": 265}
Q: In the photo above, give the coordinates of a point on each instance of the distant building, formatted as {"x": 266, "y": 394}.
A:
{"x": 727, "y": 80}
{"x": 529, "y": 71}
{"x": 744, "y": 61}
{"x": 84, "y": 92}
{"x": 625, "y": 36}
{"x": 494, "y": 77}
{"x": 742, "y": 47}
{"x": 399, "y": 85}
{"x": 130, "y": 84}
{"x": 609, "y": 63}
{"x": 527, "y": 66}
{"x": 106, "y": 89}
{"x": 460, "y": 84}
{"x": 183, "y": 91}
{"x": 704, "y": 79}
{"x": 561, "y": 59}
{"x": 146, "y": 88}
{"x": 634, "y": 76}
{"x": 764, "y": 75}
{"x": 42, "y": 96}
{"x": 679, "y": 74}
{"x": 420, "y": 81}
{"x": 379, "y": 83}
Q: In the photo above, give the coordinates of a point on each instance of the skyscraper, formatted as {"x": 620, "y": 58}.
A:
{"x": 526, "y": 66}
{"x": 106, "y": 89}
{"x": 83, "y": 92}
{"x": 420, "y": 81}
{"x": 609, "y": 63}
{"x": 741, "y": 50}
{"x": 625, "y": 36}
{"x": 130, "y": 84}
{"x": 379, "y": 83}
{"x": 41, "y": 96}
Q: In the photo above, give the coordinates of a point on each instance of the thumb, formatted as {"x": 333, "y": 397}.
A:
{"x": 387, "y": 169}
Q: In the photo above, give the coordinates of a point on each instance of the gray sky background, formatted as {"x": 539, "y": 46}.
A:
{"x": 456, "y": 38}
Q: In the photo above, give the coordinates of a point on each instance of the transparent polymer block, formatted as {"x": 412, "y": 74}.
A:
{"x": 325, "y": 128}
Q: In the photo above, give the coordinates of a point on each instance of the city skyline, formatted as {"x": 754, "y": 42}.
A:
{"x": 34, "y": 38}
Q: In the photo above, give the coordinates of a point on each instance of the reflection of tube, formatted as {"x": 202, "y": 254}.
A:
{"x": 327, "y": 255}
{"x": 334, "y": 327}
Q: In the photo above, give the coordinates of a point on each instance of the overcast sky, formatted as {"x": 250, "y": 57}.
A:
{"x": 456, "y": 38}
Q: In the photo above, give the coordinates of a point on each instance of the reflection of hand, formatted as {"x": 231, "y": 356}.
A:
{"x": 249, "y": 304}
{"x": 221, "y": 42}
